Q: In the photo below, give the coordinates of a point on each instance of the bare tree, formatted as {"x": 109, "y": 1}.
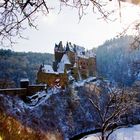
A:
{"x": 16, "y": 15}
{"x": 134, "y": 27}
{"x": 110, "y": 106}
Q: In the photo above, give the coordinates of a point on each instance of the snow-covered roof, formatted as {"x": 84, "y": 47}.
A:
{"x": 90, "y": 53}
{"x": 65, "y": 59}
{"x": 61, "y": 65}
{"x": 48, "y": 69}
{"x": 79, "y": 50}
{"x": 74, "y": 65}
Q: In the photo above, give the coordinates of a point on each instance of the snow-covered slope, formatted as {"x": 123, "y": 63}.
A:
{"x": 130, "y": 133}
{"x": 53, "y": 111}
{"x": 67, "y": 112}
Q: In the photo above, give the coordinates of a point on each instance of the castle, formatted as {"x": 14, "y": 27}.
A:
{"x": 71, "y": 62}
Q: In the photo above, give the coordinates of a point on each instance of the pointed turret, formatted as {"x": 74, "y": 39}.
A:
{"x": 67, "y": 47}
{"x": 60, "y": 45}
{"x": 58, "y": 52}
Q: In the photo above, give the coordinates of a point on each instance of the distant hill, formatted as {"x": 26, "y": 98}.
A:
{"x": 119, "y": 61}
{"x": 17, "y": 65}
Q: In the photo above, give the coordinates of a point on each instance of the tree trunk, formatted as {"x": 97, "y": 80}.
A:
{"x": 102, "y": 135}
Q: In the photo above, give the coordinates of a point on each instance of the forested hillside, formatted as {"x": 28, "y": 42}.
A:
{"x": 17, "y": 65}
{"x": 118, "y": 61}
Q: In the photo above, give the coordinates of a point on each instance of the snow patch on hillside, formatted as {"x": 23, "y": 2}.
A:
{"x": 130, "y": 133}
{"x": 82, "y": 82}
{"x": 41, "y": 97}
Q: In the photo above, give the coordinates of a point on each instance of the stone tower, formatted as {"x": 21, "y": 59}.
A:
{"x": 58, "y": 51}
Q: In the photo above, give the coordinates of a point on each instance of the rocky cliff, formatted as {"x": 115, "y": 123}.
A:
{"x": 47, "y": 116}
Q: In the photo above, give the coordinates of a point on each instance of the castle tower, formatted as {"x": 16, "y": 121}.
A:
{"x": 58, "y": 52}
{"x": 92, "y": 66}
{"x": 70, "y": 52}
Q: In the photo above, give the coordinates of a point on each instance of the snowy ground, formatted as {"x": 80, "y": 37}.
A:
{"x": 42, "y": 96}
{"x": 130, "y": 133}
{"x": 82, "y": 82}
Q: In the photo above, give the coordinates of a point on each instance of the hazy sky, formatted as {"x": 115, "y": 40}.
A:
{"x": 89, "y": 32}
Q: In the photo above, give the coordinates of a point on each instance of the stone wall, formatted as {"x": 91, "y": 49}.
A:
{"x": 58, "y": 56}
{"x": 83, "y": 67}
{"x": 30, "y": 90}
{"x": 74, "y": 73}
{"x": 14, "y": 91}
{"x": 52, "y": 79}
{"x": 92, "y": 66}
{"x": 71, "y": 56}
